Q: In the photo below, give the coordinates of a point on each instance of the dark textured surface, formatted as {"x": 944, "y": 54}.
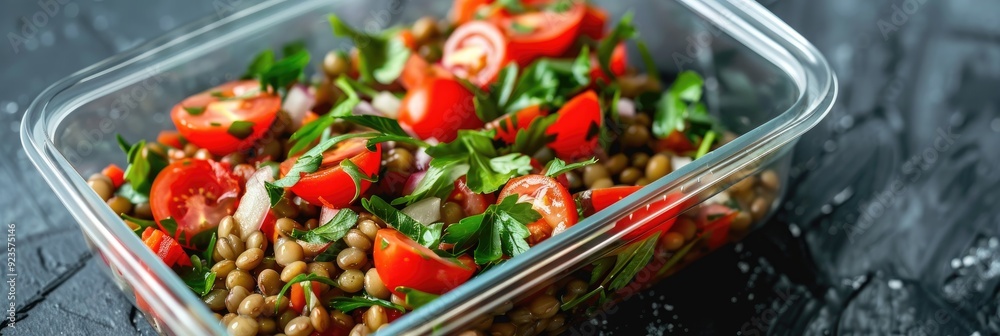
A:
{"x": 883, "y": 233}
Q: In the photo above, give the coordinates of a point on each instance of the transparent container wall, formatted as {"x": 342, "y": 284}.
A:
{"x": 69, "y": 134}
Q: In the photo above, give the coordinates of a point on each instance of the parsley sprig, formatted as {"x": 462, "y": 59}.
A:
{"x": 500, "y": 230}
{"x": 349, "y": 304}
{"x": 334, "y": 230}
{"x": 680, "y": 109}
{"x": 426, "y": 235}
{"x": 143, "y": 165}
{"x": 381, "y": 57}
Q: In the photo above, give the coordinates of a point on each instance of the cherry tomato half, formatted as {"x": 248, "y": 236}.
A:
{"x": 331, "y": 186}
{"x": 400, "y": 261}
{"x": 617, "y": 65}
{"x": 171, "y": 138}
{"x": 471, "y": 202}
{"x": 417, "y": 70}
{"x": 228, "y": 118}
{"x": 476, "y": 51}
{"x": 115, "y": 173}
{"x": 508, "y": 125}
{"x": 438, "y": 109}
{"x": 715, "y": 220}
{"x": 165, "y": 247}
{"x": 577, "y": 128}
{"x": 195, "y": 193}
{"x": 596, "y": 200}
{"x": 676, "y": 142}
{"x": 593, "y": 23}
{"x": 549, "y": 198}
{"x": 297, "y": 296}
{"x": 547, "y": 32}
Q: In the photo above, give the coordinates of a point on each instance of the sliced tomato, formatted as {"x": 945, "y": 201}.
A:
{"x": 549, "y": 198}
{"x": 538, "y": 168}
{"x": 508, "y": 125}
{"x": 297, "y": 296}
{"x": 542, "y": 33}
{"x": 676, "y": 142}
{"x": 463, "y": 11}
{"x": 406, "y": 36}
{"x": 714, "y": 220}
{"x": 593, "y": 23}
{"x": 115, "y": 173}
{"x": 471, "y": 202}
{"x": 438, "y": 109}
{"x": 476, "y": 51}
{"x": 400, "y": 261}
{"x": 330, "y": 185}
{"x": 577, "y": 128}
{"x": 165, "y": 247}
{"x": 195, "y": 193}
{"x": 171, "y": 138}
{"x": 227, "y": 118}
{"x": 417, "y": 71}
{"x": 617, "y": 64}
{"x": 595, "y": 200}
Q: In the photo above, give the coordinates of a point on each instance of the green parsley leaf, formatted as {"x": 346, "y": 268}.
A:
{"x": 274, "y": 193}
{"x": 311, "y": 160}
{"x": 489, "y": 175}
{"x": 331, "y": 252}
{"x": 347, "y": 305}
{"x": 169, "y": 226}
{"x": 678, "y": 255}
{"x": 580, "y": 299}
{"x": 556, "y": 167}
{"x": 302, "y": 278}
{"x": 314, "y": 130}
{"x": 285, "y": 72}
{"x": 133, "y": 196}
{"x": 680, "y": 107}
{"x": 210, "y": 249}
{"x": 551, "y": 82}
{"x": 241, "y": 129}
{"x": 200, "y": 277}
{"x": 415, "y": 298}
{"x": 335, "y": 229}
{"x": 357, "y": 176}
{"x": 195, "y": 111}
{"x": 143, "y": 166}
{"x": 500, "y": 230}
{"x": 529, "y": 141}
{"x": 263, "y": 61}
{"x": 624, "y": 30}
{"x": 141, "y": 224}
{"x": 382, "y": 57}
{"x": 520, "y": 28}
{"x": 124, "y": 145}
{"x": 648, "y": 60}
{"x": 706, "y": 144}
{"x": 293, "y": 47}
{"x": 639, "y": 259}
{"x": 429, "y": 235}
{"x": 439, "y": 180}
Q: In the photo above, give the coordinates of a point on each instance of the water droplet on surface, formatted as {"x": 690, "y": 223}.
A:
{"x": 968, "y": 261}
{"x": 10, "y": 107}
{"x": 895, "y": 284}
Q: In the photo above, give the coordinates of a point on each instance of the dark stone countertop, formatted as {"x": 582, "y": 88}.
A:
{"x": 882, "y": 233}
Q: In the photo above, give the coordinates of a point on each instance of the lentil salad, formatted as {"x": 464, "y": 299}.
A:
{"x": 288, "y": 221}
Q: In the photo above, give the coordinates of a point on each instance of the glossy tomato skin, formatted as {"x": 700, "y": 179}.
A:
{"x": 547, "y": 196}
{"x": 577, "y": 128}
{"x": 599, "y": 199}
{"x": 593, "y": 24}
{"x": 476, "y": 51}
{"x": 472, "y": 203}
{"x": 715, "y": 220}
{"x": 508, "y": 125}
{"x": 209, "y": 125}
{"x": 297, "y": 296}
{"x": 438, "y": 109}
{"x": 165, "y": 247}
{"x": 617, "y": 64}
{"x": 463, "y": 11}
{"x": 195, "y": 193}
{"x": 553, "y": 33}
{"x": 676, "y": 142}
{"x": 400, "y": 261}
{"x": 417, "y": 71}
{"x": 331, "y": 186}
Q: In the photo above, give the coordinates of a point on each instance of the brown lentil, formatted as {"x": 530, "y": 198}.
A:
{"x": 285, "y": 318}
{"x": 743, "y": 186}
{"x": 226, "y": 319}
{"x": 341, "y": 320}
{"x": 616, "y": 164}
{"x": 351, "y": 258}
{"x": 272, "y": 301}
{"x": 120, "y": 205}
{"x": 759, "y": 208}
{"x": 299, "y": 326}
{"x": 269, "y": 282}
{"x": 430, "y": 52}
{"x": 223, "y": 268}
{"x": 770, "y": 180}
{"x": 256, "y": 240}
{"x": 216, "y": 299}
{"x": 451, "y": 213}
{"x": 640, "y": 160}
{"x": 266, "y": 326}
{"x": 292, "y": 270}
{"x": 630, "y": 175}
{"x": 285, "y": 208}
{"x": 672, "y": 241}
{"x": 351, "y": 280}
{"x": 642, "y": 119}
{"x": 242, "y": 326}
{"x": 635, "y": 136}
{"x": 374, "y": 285}
{"x": 357, "y": 239}
{"x": 319, "y": 318}
{"x": 425, "y": 29}
{"x": 360, "y": 330}
{"x": 686, "y": 227}
{"x": 286, "y": 225}
{"x": 252, "y": 305}
{"x": 239, "y": 278}
{"x": 249, "y": 259}
{"x": 227, "y": 226}
{"x": 643, "y": 181}
{"x": 502, "y": 329}
{"x": 593, "y": 173}
{"x": 520, "y": 316}
{"x": 306, "y": 209}
{"x": 400, "y": 160}
{"x": 575, "y": 182}
{"x": 329, "y": 267}
{"x": 741, "y": 221}
{"x": 142, "y": 210}
{"x": 375, "y": 317}
{"x": 312, "y": 223}
{"x": 602, "y": 183}
{"x": 288, "y": 252}
{"x": 556, "y": 322}
{"x": 658, "y": 166}
{"x": 544, "y": 306}
{"x": 335, "y": 64}
{"x": 235, "y": 297}
{"x": 369, "y": 228}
